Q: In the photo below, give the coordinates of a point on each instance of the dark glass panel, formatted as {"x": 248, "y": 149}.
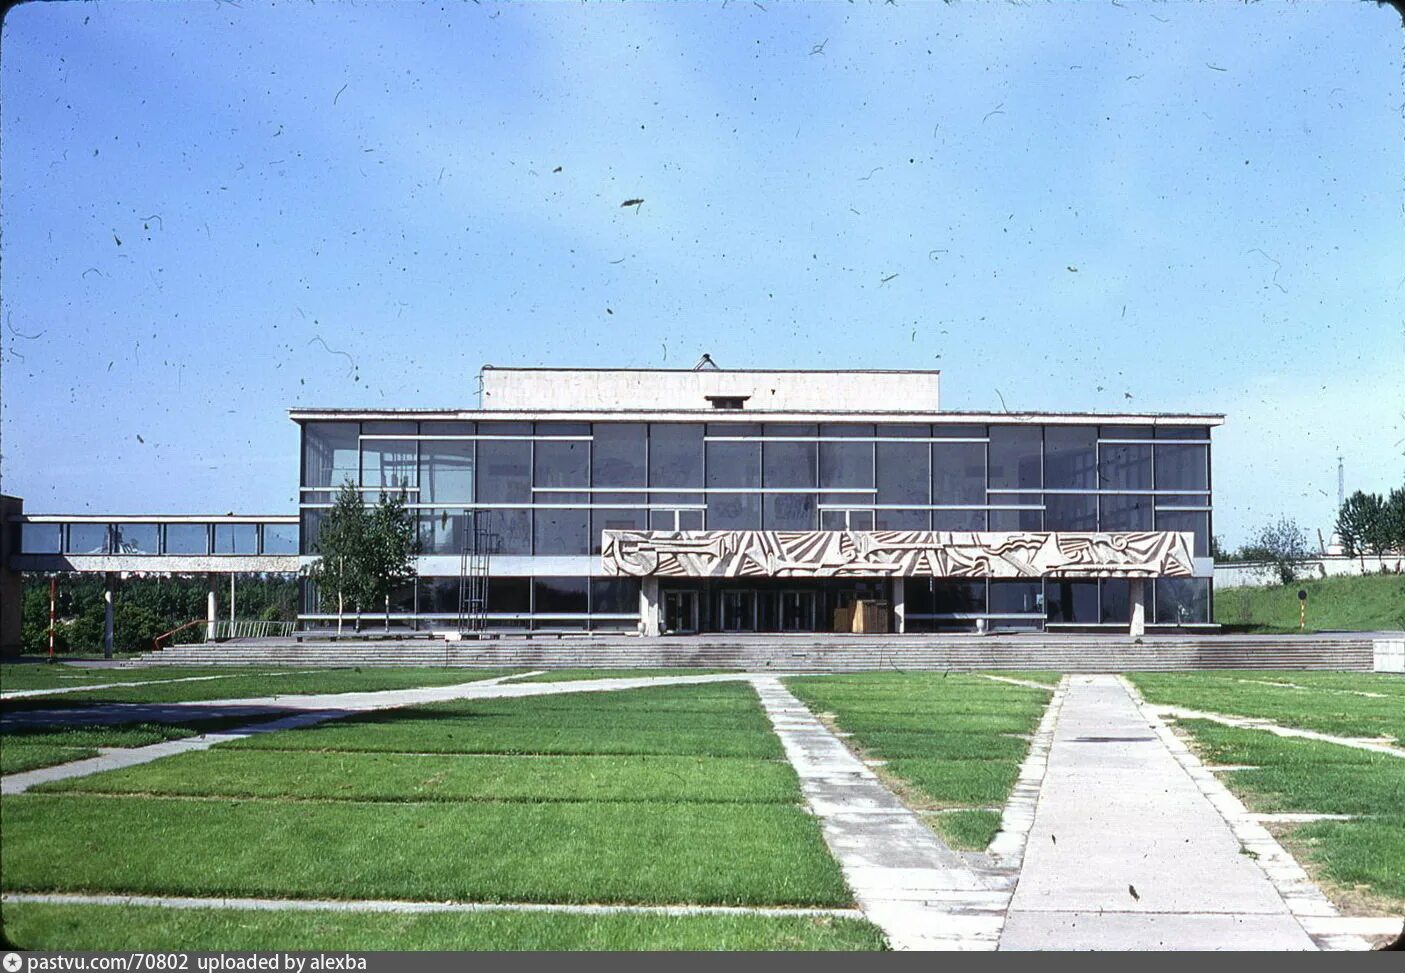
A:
{"x": 958, "y": 473}
{"x": 602, "y": 520}
{"x": 788, "y": 511}
{"x": 396, "y": 427}
{"x": 1182, "y": 601}
{"x": 733, "y": 511}
{"x": 733, "y": 465}
{"x": 960, "y": 432}
{"x": 1116, "y": 601}
{"x": 902, "y": 520}
{"x": 561, "y": 464}
{"x": 1124, "y": 467}
{"x": 236, "y": 539}
{"x": 614, "y": 596}
{"x": 504, "y": 429}
{"x": 446, "y": 427}
{"x": 504, "y": 471}
{"x": 41, "y": 538}
{"x": 676, "y": 455}
{"x": 443, "y": 531}
{"x": 179, "y": 535}
{"x": 1017, "y": 519}
{"x": 562, "y": 532}
{"x": 903, "y": 430}
{"x": 509, "y": 595}
{"x": 446, "y": 471}
{"x": 439, "y": 596}
{"x": 562, "y": 429}
{"x": 846, "y": 465}
{"x": 561, "y": 596}
{"x": 1195, "y": 521}
{"x": 331, "y": 453}
{"x": 958, "y": 520}
{"x": 1182, "y": 432}
{"x": 1125, "y": 432}
{"x": 904, "y": 476}
{"x": 136, "y": 538}
{"x": 846, "y": 429}
{"x": 1015, "y": 457}
{"x": 280, "y": 538}
{"x": 787, "y": 464}
{"x": 510, "y": 531}
{"x": 1070, "y": 457}
{"x": 388, "y": 465}
{"x": 1016, "y": 596}
{"x": 1065, "y": 511}
{"x": 1182, "y": 468}
{"x": 618, "y": 455}
{"x": 947, "y": 597}
{"x": 1126, "y": 512}
{"x": 1184, "y": 500}
{"x": 88, "y": 539}
{"x": 1074, "y": 602}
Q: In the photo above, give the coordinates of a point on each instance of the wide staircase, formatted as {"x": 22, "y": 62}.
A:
{"x": 795, "y": 653}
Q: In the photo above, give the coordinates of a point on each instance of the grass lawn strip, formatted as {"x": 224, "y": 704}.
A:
{"x": 142, "y": 928}
{"x": 33, "y": 747}
{"x": 369, "y": 776}
{"x": 947, "y": 742}
{"x": 577, "y": 675}
{"x": 1337, "y": 713}
{"x": 31, "y": 675}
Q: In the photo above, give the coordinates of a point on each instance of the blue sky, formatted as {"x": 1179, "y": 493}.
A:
{"x": 212, "y": 212}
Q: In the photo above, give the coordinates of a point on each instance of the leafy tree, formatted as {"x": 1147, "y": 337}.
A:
{"x": 341, "y": 548}
{"x": 1361, "y": 524}
{"x": 1394, "y": 520}
{"x": 1283, "y": 544}
{"x": 363, "y": 554}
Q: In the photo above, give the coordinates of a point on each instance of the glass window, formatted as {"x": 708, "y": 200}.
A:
{"x": 940, "y": 596}
{"x": 1116, "y": 601}
{"x": 958, "y": 473}
{"x": 1125, "y": 432}
{"x": 561, "y": 532}
{"x": 1008, "y": 597}
{"x": 1125, "y": 512}
{"x": 561, "y": 464}
{"x": 331, "y": 453}
{"x": 1022, "y": 519}
{"x": 676, "y": 455}
{"x": 280, "y": 538}
{"x": 1073, "y": 602}
{"x": 41, "y": 538}
{"x": 618, "y": 455}
{"x": 388, "y": 465}
{"x": 846, "y": 465}
{"x": 236, "y": 539}
{"x": 1070, "y": 511}
{"x": 504, "y": 471}
{"x": 509, "y": 596}
{"x": 1182, "y": 601}
{"x": 1071, "y": 457}
{"x": 1182, "y": 468}
{"x": 439, "y": 596}
{"x": 958, "y": 520}
{"x": 733, "y": 511}
{"x": 1124, "y": 467}
{"x": 311, "y": 527}
{"x": 1182, "y": 432}
{"x": 1015, "y": 457}
{"x": 446, "y": 471}
{"x": 959, "y": 432}
{"x": 666, "y": 519}
{"x": 734, "y": 465}
{"x": 789, "y": 464}
{"x": 614, "y": 596}
{"x": 903, "y": 477}
{"x": 444, "y": 531}
{"x": 509, "y": 531}
{"x": 136, "y": 538}
{"x": 1195, "y": 521}
{"x": 87, "y": 539}
{"x": 788, "y": 511}
{"x": 615, "y": 519}
{"x": 561, "y": 596}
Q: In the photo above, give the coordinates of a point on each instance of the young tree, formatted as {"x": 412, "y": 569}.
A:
{"x": 341, "y": 548}
{"x": 390, "y": 551}
{"x": 1394, "y": 518}
{"x": 1283, "y": 544}
{"x": 1361, "y": 524}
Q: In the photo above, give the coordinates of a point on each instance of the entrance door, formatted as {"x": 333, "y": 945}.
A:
{"x": 739, "y": 611}
{"x": 797, "y": 611}
{"x": 680, "y": 612}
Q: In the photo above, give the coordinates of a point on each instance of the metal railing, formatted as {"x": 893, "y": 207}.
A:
{"x": 248, "y": 628}
{"x": 156, "y": 642}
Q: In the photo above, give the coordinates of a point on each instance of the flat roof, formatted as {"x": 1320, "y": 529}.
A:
{"x": 753, "y": 415}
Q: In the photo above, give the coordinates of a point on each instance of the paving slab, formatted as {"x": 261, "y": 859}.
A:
{"x": 1125, "y": 852}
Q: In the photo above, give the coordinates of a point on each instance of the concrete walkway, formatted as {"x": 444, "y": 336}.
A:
{"x": 1126, "y": 853}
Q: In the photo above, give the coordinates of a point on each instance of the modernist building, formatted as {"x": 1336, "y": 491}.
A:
{"x": 739, "y": 501}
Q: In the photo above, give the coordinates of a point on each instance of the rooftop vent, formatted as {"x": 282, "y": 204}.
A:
{"x": 727, "y": 401}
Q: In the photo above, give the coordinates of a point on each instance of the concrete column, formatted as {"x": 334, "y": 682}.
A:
{"x": 108, "y": 580}
{"x": 650, "y": 622}
{"x": 211, "y": 607}
{"x": 1137, "y": 596}
{"x": 899, "y": 605}
{"x": 11, "y": 584}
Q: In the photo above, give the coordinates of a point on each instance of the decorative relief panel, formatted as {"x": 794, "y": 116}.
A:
{"x": 896, "y": 553}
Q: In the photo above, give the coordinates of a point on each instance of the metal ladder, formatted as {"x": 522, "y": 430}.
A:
{"x": 477, "y": 548}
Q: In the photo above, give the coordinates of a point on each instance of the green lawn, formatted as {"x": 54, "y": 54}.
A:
{"x": 263, "y": 681}
{"x": 572, "y": 675}
{"x": 668, "y": 795}
{"x": 16, "y": 676}
{"x": 1366, "y": 603}
{"x": 1326, "y": 702}
{"x": 951, "y": 741}
{"x": 1324, "y": 778}
{"x": 28, "y": 748}
{"x": 141, "y": 928}
{"x": 718, "y": 719}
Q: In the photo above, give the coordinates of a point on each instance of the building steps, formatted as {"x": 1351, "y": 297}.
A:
{"x": 802, "y": 654}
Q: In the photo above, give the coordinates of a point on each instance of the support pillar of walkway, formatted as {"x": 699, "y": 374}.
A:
{"x": 899, "y": 605}
{"x": 1137, "y": 596}
{"x": 211, "y": 607}
{"x": 649, "y": 607}
{"x": 108, "y": 580}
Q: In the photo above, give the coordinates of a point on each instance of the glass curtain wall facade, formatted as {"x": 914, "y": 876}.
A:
{"x": 546, "y": 491}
